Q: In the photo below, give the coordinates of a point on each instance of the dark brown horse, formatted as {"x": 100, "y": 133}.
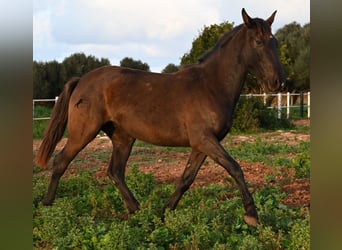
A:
{"x": 193, "y": 107}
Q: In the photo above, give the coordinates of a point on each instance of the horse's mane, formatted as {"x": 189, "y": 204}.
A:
{"x": 220, "y": 43}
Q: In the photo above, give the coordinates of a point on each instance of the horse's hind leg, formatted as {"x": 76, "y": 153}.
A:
{"x": 76, "y": 142}
{"x": 191, "y": 169}
{"x": 122, "y": 146}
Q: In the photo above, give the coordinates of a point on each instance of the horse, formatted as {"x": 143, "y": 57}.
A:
{"x": 190, "y": 108}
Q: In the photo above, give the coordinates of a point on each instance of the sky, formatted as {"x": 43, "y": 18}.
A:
{"x": 157, "y": 32}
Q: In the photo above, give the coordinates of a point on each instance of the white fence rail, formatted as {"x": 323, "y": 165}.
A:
{"x": 34, "y": 101}
{"x": 288, "y": 104}
{"x": 304, "y": 102}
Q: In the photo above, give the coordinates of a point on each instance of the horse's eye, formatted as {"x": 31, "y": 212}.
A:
{"x": 259, "y": 42}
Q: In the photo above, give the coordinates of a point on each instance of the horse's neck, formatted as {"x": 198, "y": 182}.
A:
{"x": 230, "y": 74}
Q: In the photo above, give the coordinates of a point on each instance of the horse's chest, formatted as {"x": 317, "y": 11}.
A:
{"x": 220, "y": 121}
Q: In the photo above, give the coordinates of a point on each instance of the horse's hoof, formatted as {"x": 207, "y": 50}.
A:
{"x": 47, "y": 202}
{"x": 251, "y": 221}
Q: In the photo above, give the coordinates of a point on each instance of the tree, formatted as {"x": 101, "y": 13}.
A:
{"x": 294, "y": 44}
{"x": 79, "y": 64}
{"x": 45, "y": 79}
{"x": 49, "y": 77}
{"x": 205, "y": 41}
{"x": 170, "y": 68}
{"x": 39, "y": 75}
{"x": 129, "y": 62}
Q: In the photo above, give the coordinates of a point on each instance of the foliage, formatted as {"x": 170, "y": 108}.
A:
{"x": 251, "y": 114}
{"x": 129, "y": 62}
{"x": 302, "y": 165}
{"x": 205, "y": 41}
{"x": 49, "y": 77}
{"x": 273, "y": 154}
{"x": 294, "y": 44}
{"x": 170, "y": 68}
{"x": 90, "y": 215}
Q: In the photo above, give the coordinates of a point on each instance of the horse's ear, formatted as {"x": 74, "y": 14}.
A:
{"x": 271, "y": 18}
{"x": 246, "y": 18}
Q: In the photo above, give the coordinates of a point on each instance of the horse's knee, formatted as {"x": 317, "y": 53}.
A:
{"x": 59, "y": 165}
{"x": 115, "y": 178}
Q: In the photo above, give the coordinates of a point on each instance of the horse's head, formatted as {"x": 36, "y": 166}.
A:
{"x": 261, "y": 53}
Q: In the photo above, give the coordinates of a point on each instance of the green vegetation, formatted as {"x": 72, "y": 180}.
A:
{"x": 129, "y": 62}
{"x": 49, "y": 77}
{"x": 294, "y": 47}
{"x": 90, "y": 215}
{"x": 40, "y": 125}
{"x": 89, "y": 212}
{"x": 205, "y": 41}
{"x": 252, "y": 115}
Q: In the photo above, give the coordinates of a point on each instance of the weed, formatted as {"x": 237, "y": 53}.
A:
{"x": 301, "y": 163}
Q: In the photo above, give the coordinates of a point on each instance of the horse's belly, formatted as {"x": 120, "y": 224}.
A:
{"x": 159, "y": 135}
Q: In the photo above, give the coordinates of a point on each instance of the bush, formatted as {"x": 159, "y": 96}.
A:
{"x": 251, "y": 115}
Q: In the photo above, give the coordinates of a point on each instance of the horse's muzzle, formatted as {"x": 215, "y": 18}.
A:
{"x": 282, "y": 86}
{"x": 276, "y": 86}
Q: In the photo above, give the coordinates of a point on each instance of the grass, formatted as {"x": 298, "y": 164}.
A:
{"x": 40, "y": 125}
{"x": 89, "y": 213}
{"x": 270, "y": 153}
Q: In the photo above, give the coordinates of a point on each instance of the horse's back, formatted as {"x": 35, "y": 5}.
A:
{"x": 148, "y": 106}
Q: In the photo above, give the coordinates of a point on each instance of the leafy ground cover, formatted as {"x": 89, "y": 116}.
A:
{"x": 89, "y": 214}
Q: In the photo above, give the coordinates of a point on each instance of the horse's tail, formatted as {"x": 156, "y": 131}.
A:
{"x": 55, "y": 129}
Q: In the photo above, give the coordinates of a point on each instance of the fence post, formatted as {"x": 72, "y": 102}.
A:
{"x": 265, "y": 98}
{"x": 32, "y": 109}
{"x": 279, "y": 105}
{"x": 301, "y": 107}
{"x": 309, "y": 104}
{"x": 288, "y": 96}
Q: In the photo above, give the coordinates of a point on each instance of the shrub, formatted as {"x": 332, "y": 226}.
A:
{"x": 251, "y": 114}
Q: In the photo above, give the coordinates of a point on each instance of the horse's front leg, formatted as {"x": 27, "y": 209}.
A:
{"x": 122, "y": 146}
{"x": 211, "y": 147}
